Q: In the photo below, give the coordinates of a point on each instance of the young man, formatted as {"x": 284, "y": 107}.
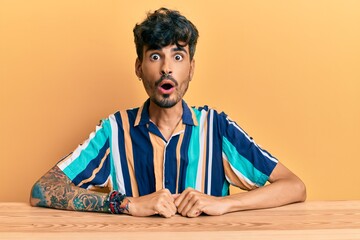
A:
{"x": 165, "y": 157}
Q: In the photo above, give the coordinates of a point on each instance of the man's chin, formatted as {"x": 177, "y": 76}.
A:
{"x": 165, "y": 102}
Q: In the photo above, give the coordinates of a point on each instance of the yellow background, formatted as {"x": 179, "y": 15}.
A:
{"x": 286, "y": 71}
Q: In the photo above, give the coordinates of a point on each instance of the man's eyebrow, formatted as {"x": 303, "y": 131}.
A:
{"x": 175, "y": 49}
{"x": 179, "y": 48}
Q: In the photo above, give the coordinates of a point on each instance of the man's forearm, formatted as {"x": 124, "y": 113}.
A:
{"x": 285, "y": 188}
{"x": 55, "y": 190}
{"x": 279, "y": 193}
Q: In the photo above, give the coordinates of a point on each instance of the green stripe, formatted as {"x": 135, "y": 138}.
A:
{"x": 113, "y": 174}
{"x": 243, "y": 165}
{"x": 90, "y": 152}
{"x": 193, "y": 154}
{"x": 225, "y": 189}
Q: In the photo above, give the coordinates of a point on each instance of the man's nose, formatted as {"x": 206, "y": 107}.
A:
{"x": 166, "y": 67}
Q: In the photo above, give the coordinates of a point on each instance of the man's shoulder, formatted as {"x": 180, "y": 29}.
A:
{"x": 208, "y": 109}
{"x": 124, "y": 111}
{"x": 119, "y": 114}
{"x": 211, "y": 113}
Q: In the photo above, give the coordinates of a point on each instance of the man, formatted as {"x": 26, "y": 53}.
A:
{"x": 165, "y": 157}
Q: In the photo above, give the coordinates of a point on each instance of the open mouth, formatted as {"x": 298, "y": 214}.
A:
{"x": 166, "y": 86}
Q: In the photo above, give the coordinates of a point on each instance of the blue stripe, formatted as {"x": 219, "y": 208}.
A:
{"x": 242, "y": 164}
{"x": 145, "y": 117}
{"x": 171, "y": 164}
{"x": 155, "y": 130}
{"x": 187, "y": 115}
{"x": 123, "y": 161}
{"x": 143, "y": 156}
{"x": 217, "y": 172}
{"x": 184, "y": 158}
{"x": 248, "y": 149}
{"x": 102, "y": 176}
{"x": 93, "y": 164}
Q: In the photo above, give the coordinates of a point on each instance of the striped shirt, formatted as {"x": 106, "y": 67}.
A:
{"x": 207, "y": 151}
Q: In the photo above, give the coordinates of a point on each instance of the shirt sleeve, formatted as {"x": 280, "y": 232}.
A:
{"x": 246, "y": 165}
{"x": 89, "y": 165}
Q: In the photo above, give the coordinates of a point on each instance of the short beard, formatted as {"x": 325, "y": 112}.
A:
{"x": 165, "y": 102}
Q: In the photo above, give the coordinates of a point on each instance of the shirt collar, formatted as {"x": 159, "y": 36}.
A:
{"x": 188, "y": 117}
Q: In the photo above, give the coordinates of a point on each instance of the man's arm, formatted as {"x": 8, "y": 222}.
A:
{"x": 284, "y": 188}
{"x": 55, "y": 190}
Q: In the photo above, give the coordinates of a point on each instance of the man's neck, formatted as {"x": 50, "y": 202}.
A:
{"x": 166, "y": 119}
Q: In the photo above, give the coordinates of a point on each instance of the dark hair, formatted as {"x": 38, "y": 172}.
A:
{"x": 162, "y": 28}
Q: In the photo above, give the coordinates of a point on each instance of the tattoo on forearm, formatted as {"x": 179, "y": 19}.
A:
{"x": 55, "y": 190}
{"x": 89, "y": 202}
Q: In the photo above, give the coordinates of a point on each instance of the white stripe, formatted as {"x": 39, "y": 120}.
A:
{"x": 116, "y": 155}
{"x": 238, "y": 174}
{"x": 78, "y": 150}
{"x": 164, "y": 159}
{"x": 228, "y": 179}
{"x": 210, "y": 148}
{"x": 251, "y": 140}
{"x": 199, "y": 178}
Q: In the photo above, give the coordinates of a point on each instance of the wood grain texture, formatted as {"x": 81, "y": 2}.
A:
{"x": 309, "y": 220}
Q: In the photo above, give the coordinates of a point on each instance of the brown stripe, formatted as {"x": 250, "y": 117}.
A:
{"x": 129, "y": 153}
{"x": 234, "y": 179}
{"x": 158, "y": 158}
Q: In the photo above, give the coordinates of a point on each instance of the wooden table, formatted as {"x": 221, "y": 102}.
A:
{"x": 310, "y": 220}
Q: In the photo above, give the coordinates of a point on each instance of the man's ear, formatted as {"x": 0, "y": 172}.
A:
{"x": 192, "y": 68}
{"x": 138, "y": 70}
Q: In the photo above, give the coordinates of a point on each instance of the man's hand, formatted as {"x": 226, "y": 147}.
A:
{"x": 160, "y": 202}
{"x": 191, "y": 203}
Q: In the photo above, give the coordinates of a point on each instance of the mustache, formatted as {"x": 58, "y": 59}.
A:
{"x": 168, "y": 77}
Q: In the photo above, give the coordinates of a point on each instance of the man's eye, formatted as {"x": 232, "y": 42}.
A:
{"x": 155, "y": 57}
{"x": 178, "y": 57}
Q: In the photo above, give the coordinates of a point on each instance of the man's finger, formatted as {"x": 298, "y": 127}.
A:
{"x": 187, "y": 204}
{"x": 179, "y": 199}
{"x": 195, "y": 210}
{"x": 175, "y": 196}
{"x": 181, "y": 203}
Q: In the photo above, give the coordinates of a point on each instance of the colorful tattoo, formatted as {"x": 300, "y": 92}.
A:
{"x": 55, "y": 190}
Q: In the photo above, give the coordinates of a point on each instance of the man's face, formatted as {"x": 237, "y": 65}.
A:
{"x": 165, "y": 73}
